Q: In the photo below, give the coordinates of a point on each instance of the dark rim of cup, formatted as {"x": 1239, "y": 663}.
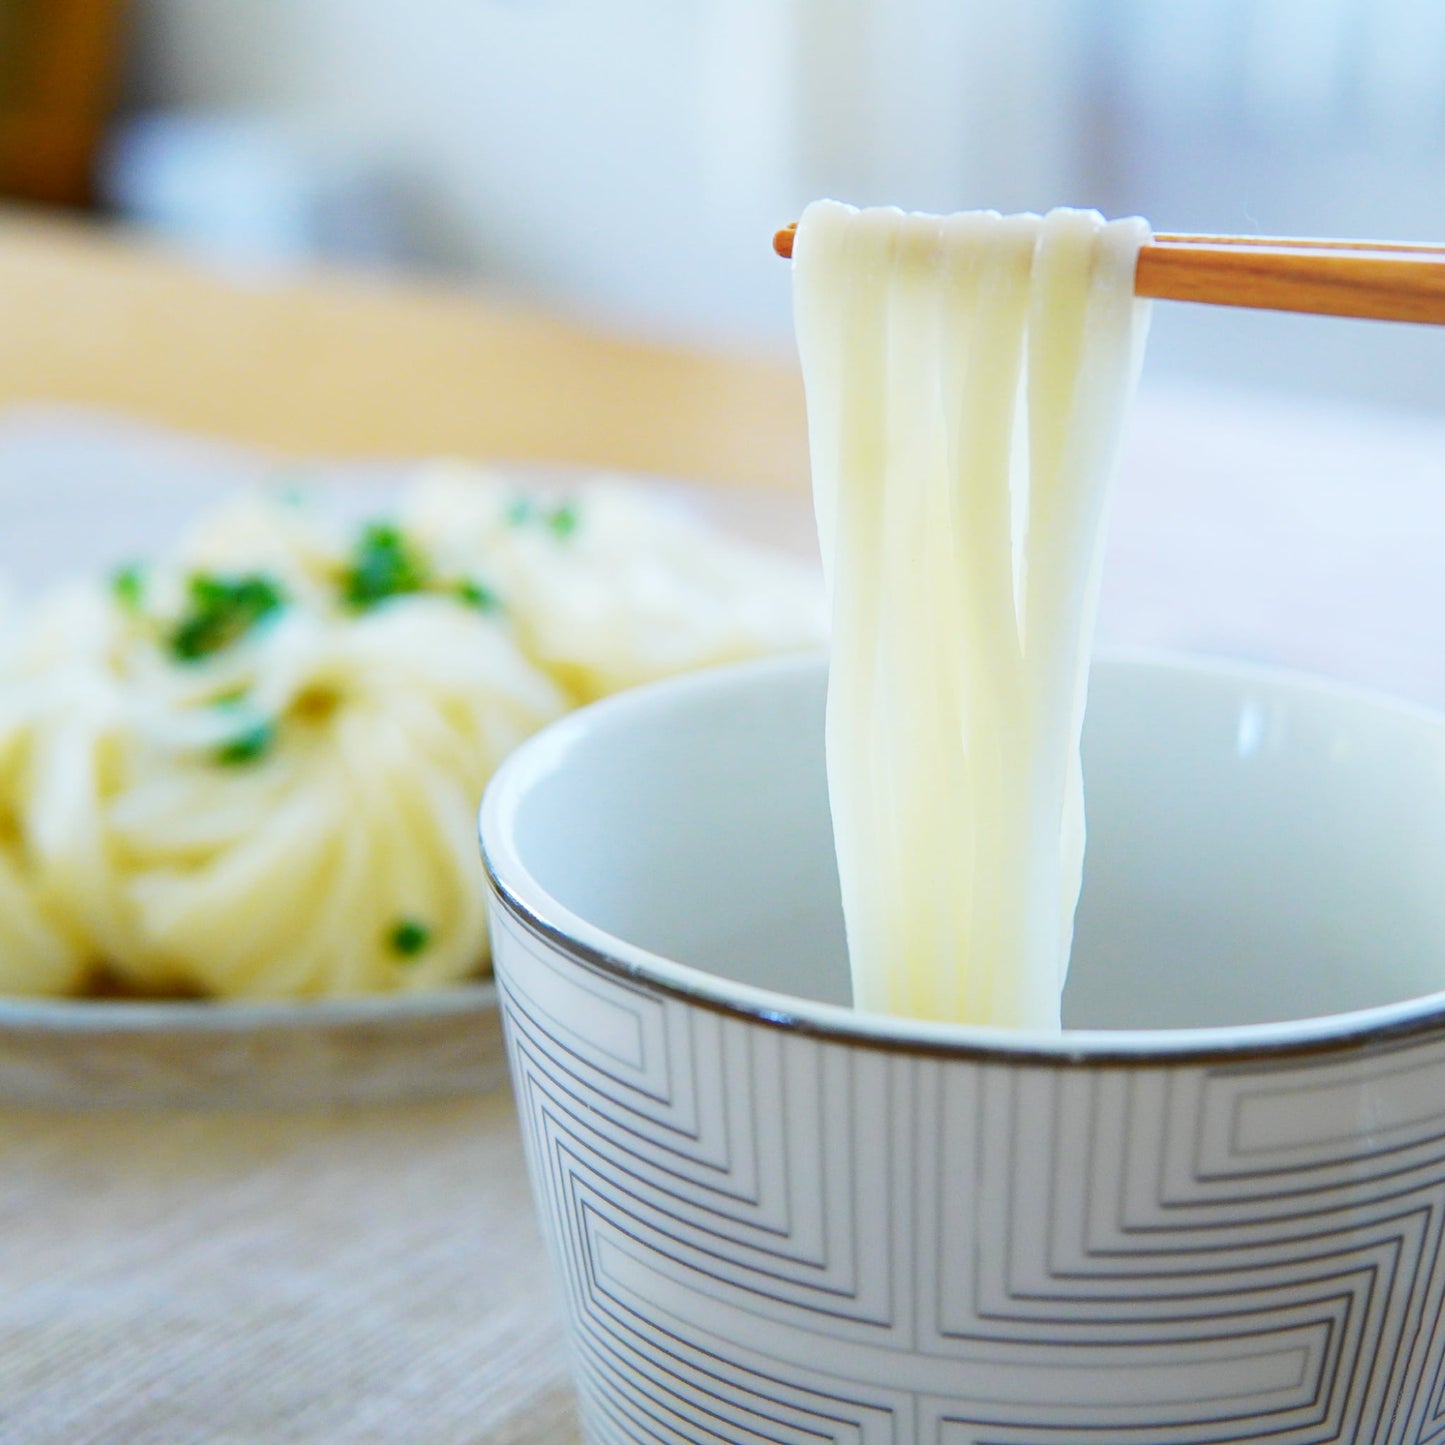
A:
{"x": 1380, "y": 1027}
{"x": 1373, "y": 1029}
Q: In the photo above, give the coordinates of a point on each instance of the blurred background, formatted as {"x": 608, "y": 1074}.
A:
{"x": 627, "y": 161}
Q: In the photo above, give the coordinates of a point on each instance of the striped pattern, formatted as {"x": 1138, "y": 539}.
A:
{"x": 768, "y": 1237}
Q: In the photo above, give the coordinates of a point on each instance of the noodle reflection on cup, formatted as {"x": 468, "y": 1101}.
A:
{"x": 1209, "y": 1210}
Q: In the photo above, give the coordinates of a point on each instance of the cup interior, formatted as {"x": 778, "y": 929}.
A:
{"x": 1261, "y": 847}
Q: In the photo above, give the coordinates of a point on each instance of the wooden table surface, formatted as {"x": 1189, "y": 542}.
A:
{"x": 347, "y": 365}
{"x": 366, "y": 1274}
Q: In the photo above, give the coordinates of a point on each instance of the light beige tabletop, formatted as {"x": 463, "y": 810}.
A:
{"x": 350, "y": 365}
{"x": 374, "y": 1274}
{"x": 366, "y": 1275}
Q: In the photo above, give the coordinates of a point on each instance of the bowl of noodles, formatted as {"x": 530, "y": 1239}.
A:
{"x": 242, "y": 747}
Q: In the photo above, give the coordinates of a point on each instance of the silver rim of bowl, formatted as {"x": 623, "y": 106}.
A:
{"x": 1376, "y": 1028}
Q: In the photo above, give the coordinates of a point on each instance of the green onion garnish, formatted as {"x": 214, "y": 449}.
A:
{"x": 383, "y": 565}
{"x": 563, "y": 519}
{"x": 409, "y": 938}
{"x": 478, "y": 595}
{"x": 222, "y": 610}
{"x": 560, "y": 520}
{"x": 247, "y": 747}
{"x": 127, "y": 586}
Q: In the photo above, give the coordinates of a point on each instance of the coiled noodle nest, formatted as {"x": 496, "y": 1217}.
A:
{"x": 251, "y": 767}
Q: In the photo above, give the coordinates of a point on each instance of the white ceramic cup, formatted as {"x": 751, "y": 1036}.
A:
{"x": 1210, "y": 1211}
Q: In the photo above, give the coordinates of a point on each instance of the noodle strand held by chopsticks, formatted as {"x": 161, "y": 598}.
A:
{"x": 967, "y": 381}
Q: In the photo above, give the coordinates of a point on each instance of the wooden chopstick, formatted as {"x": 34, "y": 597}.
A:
{"x": 1381, "y": 280}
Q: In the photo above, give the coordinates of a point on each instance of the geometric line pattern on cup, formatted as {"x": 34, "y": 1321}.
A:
{"x": 763, "y": 1235}
{"x": 731, "y": 1172}
{"x": 1370, "y": 1279}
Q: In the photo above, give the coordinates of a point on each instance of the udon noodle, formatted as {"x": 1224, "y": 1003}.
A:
{"x": 967, "y": 378}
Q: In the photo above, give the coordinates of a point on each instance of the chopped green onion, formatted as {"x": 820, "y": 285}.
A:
{"x": 478, "y": 595}
{"x": 128, "y": 585}
{"x": 222, "y": 610}
{"x": 560, "y": 520}
{"x": 409, "y": 938}
{"x": 383, "y": 565}
{"x": 563, "y": 519}
{"x": 247, "y": 747}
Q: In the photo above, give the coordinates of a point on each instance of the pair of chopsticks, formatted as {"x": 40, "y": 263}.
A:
{"x": 1381, "y": 280}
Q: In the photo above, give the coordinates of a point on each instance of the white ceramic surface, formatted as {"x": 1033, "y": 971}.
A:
{"x": 1210, "y": 1211}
